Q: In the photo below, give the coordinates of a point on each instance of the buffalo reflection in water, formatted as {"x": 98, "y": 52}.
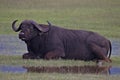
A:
{"x": 70, "y": 69}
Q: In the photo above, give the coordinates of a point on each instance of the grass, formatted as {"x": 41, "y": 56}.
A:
{"x": 101, "y": 16}
{"x": 55, "y": 76}
{"x": 17, "y": 60}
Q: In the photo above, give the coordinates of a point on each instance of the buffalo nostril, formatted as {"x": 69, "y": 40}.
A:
{"x": 22, "y": 33}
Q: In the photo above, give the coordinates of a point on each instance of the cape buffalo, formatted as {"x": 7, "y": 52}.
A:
{"x": 53, "y": 42}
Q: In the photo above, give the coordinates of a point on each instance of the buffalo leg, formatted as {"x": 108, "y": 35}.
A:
{"x": 54, "y": 55}
{"x": 100, "y": 52}
{"x": 28, "y": 56}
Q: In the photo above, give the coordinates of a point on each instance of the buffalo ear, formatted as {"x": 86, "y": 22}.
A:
{"x": 42, "y": 28}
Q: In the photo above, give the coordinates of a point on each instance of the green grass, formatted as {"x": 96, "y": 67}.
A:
{"x": 35, "y": 76}
{"x": 101, "y": 16}
{"x": 17, "y": 60}
{"x": 55, "y": 76}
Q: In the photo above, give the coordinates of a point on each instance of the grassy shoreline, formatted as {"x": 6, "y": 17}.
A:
{"x": 17, "y": 60}
{"x": 55, "y": 76}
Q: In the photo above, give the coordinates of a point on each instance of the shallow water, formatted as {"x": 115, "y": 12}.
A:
{"x": 13, "y": 69}
{"x": 103, "y": 70}
{"x": 115, "y": 47}
{"x": 12, "y": 45}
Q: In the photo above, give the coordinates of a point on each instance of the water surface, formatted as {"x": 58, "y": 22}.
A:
{"x": 11, "y": 45}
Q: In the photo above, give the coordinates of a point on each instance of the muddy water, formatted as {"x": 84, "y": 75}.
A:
{"x": 12, "y": 45}
{"x": 103, "y": 70}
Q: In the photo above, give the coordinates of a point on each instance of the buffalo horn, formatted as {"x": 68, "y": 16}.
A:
{"x": 49, "y": 23}
{"x": 41, "y": 28}
{"x": 14, "y": 27}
